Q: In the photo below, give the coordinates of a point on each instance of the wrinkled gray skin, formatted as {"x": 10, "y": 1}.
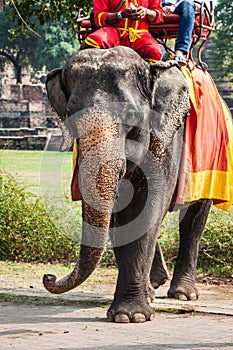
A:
{"x": 128, "y": 117}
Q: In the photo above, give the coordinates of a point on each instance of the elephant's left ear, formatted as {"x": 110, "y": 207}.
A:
{"x": 56, "y": 93}
{"x": 169, "y": 99}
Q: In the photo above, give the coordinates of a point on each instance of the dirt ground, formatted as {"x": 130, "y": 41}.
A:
{"x": 31, "y": 318}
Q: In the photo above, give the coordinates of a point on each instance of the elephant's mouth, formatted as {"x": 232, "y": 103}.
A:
{"x": 136, "y": 146}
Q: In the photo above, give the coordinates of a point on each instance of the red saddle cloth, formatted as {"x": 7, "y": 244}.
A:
{"x": 207, "y": 163}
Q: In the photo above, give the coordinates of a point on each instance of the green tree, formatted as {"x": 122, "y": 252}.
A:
{"x": 17, "y": 51}
{"x": 49, "y": 48}
{"x": 54, "y": 45}
{"x": 221, "y": 58}
{"x": 25, "y": 12}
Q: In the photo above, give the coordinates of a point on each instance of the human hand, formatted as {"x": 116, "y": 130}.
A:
{"x": 167, "y": 10}
{"x": 141, "y": 11}
{"x": 134, "y": 13}
{"x": 129, "y": 13}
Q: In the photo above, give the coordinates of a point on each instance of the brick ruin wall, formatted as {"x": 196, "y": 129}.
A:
{"x": 26, "y": 117}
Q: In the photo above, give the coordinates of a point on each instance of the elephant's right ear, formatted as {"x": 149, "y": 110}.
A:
{"x": 56, "y": 93}
{"x": 58, "y": 98}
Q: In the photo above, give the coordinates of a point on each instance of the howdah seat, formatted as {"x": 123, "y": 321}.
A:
{"x": 168, "y": 29}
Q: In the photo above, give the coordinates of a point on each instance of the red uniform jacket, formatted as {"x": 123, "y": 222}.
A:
{"x": 103, "y": 7}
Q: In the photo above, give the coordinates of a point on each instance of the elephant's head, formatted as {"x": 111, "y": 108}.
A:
{"x": 110, "y": 101}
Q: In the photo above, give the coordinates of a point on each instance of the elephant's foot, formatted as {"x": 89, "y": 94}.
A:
{"x": 159, "y": 279}
{"x": 126, "y": 312}
{"x": 183, "y": 290}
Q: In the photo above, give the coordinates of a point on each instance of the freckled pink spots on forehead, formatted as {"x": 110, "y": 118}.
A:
{"x": 95, "y": 127}
{"x": 98, "y": 134}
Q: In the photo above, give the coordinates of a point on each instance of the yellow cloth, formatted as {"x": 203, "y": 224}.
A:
{"x": 134, "y": 34}
{"x": 75, "y": 155}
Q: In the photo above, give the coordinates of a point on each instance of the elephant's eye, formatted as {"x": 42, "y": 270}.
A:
{"x": 131, "y": 116}
{"x": 132, "y": 139}
{"x": 134, "y": 134}
{"x": 129, "y": 147}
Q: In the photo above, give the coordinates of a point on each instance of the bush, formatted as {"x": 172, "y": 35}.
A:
{"x": 169, "y": 238}
{"x": 26, "y": 232}
{"x": 108, "y": 258}
{"x": 216, "y": 246}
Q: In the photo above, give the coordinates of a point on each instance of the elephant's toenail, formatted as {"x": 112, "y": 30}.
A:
{"x": 139, "y": 318}
{"x": 182, "y": 297}
{"x": 120, "y": 318}
{"x": 193, "y": 296}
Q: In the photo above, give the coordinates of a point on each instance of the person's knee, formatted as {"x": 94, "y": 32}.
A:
{"x": 188, "y": 4}
{"x": 186, "y": 7}
{"x": 155, "y": 53}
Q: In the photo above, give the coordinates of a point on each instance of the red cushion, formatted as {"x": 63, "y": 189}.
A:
{"x": 171, "y": 19}
{"x": 86, "y": 23}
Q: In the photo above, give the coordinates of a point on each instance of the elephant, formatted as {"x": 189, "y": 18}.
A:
{"x": 128, "y": 119}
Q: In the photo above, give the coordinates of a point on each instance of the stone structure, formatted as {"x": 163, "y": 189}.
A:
{"x": 26, "y": 119}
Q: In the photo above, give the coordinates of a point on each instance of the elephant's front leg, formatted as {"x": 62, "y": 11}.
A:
{"x": 192, "y": 223}
{"x": 131, "y": 297}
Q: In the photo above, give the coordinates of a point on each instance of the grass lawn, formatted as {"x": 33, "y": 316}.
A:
{"x": 34, "y": 168}
{"x": 46, "y": 175}
{"x": 25, "y": 275}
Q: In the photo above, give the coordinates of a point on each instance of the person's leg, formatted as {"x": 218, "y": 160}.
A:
{"x": 103, "y": 38}
{"x": 186, "y": 11}
{"x": 148, "y": 48}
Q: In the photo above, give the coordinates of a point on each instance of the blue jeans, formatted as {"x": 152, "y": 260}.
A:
{"x": 186, "y": 11}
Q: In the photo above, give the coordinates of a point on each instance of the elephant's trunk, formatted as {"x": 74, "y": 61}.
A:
{"x": 101, "y": 165}
{"x": 88, "y": 260}
{"x": 94, "y": 236}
